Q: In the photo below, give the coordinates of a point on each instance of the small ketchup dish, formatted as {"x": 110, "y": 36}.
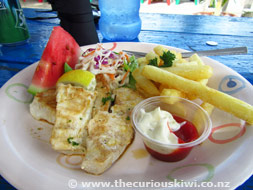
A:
{"x": 170, "y": 129}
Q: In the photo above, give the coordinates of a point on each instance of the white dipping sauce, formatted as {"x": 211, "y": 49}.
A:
{"x": 159, "y": 125}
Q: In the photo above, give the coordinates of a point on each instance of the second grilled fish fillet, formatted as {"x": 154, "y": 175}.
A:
{"x": 124, "y": 95}
{"x": 125, "y": 101}
{"x": 108, "y": 136}
{"x": 44, "y": 105}
{"x": 73, "y": 111}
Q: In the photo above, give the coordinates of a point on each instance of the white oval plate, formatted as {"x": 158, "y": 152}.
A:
{"x": 28, "y": 162}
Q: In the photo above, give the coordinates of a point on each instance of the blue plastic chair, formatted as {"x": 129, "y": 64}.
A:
{"x": 178, "y": 1}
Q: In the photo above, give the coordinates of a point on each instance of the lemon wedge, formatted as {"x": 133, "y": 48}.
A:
{"x": 79, "y": 77}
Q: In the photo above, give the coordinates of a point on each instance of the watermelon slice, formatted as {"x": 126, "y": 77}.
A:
{"x": 60, "y": 49}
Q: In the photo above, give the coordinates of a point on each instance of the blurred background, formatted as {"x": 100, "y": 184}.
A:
{"x": 237, "y": 8}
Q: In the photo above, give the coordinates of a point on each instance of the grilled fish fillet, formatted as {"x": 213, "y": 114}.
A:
{"x": 43, "y": 106}
{"x": 102, "y": 92}
{"x": 124, "y": 95}
{"x": 125, "y": 101}
{"x": 108, "y": 136}
{"x": 73, "y": 111}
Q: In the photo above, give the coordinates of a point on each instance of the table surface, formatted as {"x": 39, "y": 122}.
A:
{"x": 189, "y": 32}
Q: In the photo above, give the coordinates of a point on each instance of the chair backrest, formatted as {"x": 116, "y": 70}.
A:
{"x": 234, "y": 7}
{"x": 227, "y": 7}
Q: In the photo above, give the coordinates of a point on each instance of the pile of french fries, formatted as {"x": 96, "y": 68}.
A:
{"x": 186, "y": 79}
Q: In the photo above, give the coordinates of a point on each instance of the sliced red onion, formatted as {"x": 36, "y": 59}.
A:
{"x": 120, "y": 62}
{"x": 97, "y": 58}
{"x": 106, "y": 51}
{"x": 105, "y": 61}
{"x": 113, "y": 56}
{"x": 96, "y": 66}
{"x": 88, "y": 51}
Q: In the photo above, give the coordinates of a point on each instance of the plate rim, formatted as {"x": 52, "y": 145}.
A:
{"x": 14, "y": 183}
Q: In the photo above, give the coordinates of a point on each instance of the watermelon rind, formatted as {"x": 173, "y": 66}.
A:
{"x": 35, "y": 89}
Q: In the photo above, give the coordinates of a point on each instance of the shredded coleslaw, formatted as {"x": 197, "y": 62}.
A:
{"x": 115, "y": 67}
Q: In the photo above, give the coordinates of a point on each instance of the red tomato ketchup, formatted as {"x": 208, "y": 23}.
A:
{"x": 187, "y": 133}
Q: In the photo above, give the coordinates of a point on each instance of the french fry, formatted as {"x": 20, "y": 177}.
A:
{"x": 142, "y": 92}
{"x": 219, "y": 99}
{"x": 185, "y": 63}
{"x": 196, "y": 58}
{"x": 162, "y": 86}
{"x": 177, "y": 54}
{"x": 159, "y": 50}
{"x": 208, "y": 107}
{"x": 142, "y": 61}
{"x": 203, "y": 81}
{"x": 193, "y": 97}
{"x": 173, "y": 95}
{"x": 151, "y": 55}
{"x": 193, "y": 72}
{"x": 147, "y": 85}
{"x": 178, "y": 62}
{"x": 197, "y": 117}
{"x": 178, "y": 108}
{"x": 183, "y": 60}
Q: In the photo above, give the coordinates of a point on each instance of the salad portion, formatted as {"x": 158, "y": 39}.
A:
{"x": 114, "y": 68}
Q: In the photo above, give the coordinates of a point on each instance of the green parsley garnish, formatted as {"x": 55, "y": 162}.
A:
{"x": 70, "y": 139}
{"x": 153, "y": 62}
{"x": 108, "y": 98}
{"x": 131, "y": 83}
{"x": 132, "y": 65}
{"x": 73, "y": 143}
{"x": 167, "y": 58}
{"x": 128, "y": 118}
